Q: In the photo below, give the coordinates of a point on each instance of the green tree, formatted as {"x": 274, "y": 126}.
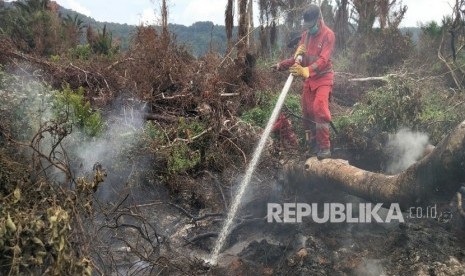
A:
{"x": 101, "y": 43}
{"x": 73, "y": 29}
{"x": 33, "y": 26}
{"x": 32, "y": 6}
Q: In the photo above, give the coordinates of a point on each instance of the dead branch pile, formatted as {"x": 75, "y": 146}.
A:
{"x": 155, "y": 70}
{"x": 194, "y": 103}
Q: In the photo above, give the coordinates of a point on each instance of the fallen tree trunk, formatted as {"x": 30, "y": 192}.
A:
{"x": 435, "y": 178}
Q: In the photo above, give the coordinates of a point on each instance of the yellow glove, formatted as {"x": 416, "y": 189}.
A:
{"x": 298, "y": 70}
{"x": 301, "y": 51}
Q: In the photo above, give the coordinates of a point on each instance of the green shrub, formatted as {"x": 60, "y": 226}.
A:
{"x": 188, "y": 129}
{"x": 181, "y": 154}
{"x": 55, "y": 58}
{"x": 260, "y": 114}
{"x": 153, "y": 132}
{"x": 440, "y": 114}
{"x": 24, "y": 105}
{"x": 182, "y": 158}
{"x": 82, "y": 52}
{"x": 400, "y": 103}
{"x": 28, "y": 104}
{"x": 72, "y": 106}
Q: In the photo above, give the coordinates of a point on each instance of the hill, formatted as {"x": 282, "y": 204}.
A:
{"x": 199, "y": 37}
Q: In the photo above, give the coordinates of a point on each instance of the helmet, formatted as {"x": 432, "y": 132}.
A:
{"x": 312, "y": 14}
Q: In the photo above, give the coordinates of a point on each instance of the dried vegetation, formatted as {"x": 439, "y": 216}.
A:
{"x": 191, "y": 129}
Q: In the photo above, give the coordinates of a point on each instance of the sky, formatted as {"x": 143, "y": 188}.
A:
{"x": 187, "y": 12}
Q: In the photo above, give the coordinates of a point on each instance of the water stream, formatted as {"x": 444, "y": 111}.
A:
{"x": 248, "y": 175}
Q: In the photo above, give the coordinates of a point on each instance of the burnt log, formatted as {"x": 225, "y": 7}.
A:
{"x": 435, "y": 178}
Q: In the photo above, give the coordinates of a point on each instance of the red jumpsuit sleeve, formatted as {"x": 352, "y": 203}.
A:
{"x": 324, "y": 58}
{"x": 285, "y": 64}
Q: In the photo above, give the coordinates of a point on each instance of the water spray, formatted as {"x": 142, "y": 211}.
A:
{"x": 250, "y": 170}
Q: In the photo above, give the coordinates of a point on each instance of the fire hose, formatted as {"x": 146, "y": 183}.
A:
{"x": 288, "y": 111}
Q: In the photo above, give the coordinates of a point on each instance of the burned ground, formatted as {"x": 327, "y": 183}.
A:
{"x": 173, "y": 152}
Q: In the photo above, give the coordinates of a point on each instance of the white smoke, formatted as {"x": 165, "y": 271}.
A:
{"x": 33, "y": 105}
{"x": 405, "y": 147}
{"x": 119, "y": 134}
{"x": 111, "y": 149}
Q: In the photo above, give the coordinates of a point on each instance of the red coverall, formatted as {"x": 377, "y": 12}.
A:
{"x": 283, "y": 127}
{"x": 317, "y": 88}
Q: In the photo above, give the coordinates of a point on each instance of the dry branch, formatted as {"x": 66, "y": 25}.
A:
{"x": 172, "y": 97}
{"x": 446, "y": 63}
{"x": 435, "y": 178}
{"x": 218, "y": 185}
{"x": 193, "y": 138}
{"x": 384, "y": 78}
{"x": 159, "y": 117}
{"x": 202, "y": 236}
{"x": 229, "y": 94}
{"x": 195, "y": 218}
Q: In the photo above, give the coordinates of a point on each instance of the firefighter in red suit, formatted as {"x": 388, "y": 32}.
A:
{"x": 312, "y": 61}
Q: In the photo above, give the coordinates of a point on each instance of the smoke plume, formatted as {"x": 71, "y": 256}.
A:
{"x": 405, "y": 148}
